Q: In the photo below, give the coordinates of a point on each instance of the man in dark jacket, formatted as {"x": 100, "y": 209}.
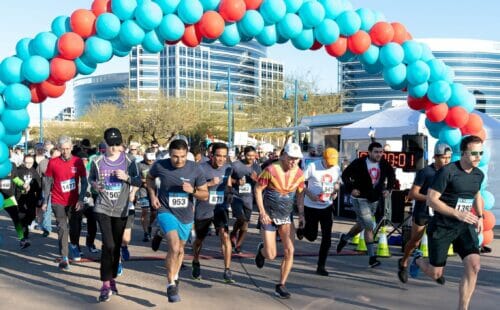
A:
{"x": 369, "y": 180}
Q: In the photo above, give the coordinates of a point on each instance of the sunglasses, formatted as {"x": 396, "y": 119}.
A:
{"x": 475, "y": 153}
{"x": 133, "y": 149}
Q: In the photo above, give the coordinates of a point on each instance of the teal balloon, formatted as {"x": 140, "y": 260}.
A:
{"x": 272, "y": 11}
{"x": 434, "y": 127}
{"x": 44, "y": 44}
{"x": 290, "y": 26}
{"x": 292, "y": 6}
{"x": 35, "y": 69}
{"x": 279, "y": 38}
{"x": 17, "y": 96}
{"x": 391, "y": 55}
{"x": 455, "y": 157}
{"x": 469, "y": 102}
{"x": 327, "y": 32}
{"x": 251, "y": 24}
{"x": 450, "y": 136}
{"x": 190, "y": 11}
{"x": 349, "y": 23}
{"x": 11, "y": 139}
{"x": 170, "y": 6}
{"x": 124, "y": 9}
{"x": 418, "y": 91}
{"x": 371, "y": 55}
{"x": 449, "y": 74}
{"x": 10, "y": 70}
{"x": 15, "y": 120}
{"x": 171, "y": 28}
{"x": 374, "y": 68}
{"x": 210, "y": 5}
{"x": 485, "y": 158}
{"x": 131, "y": 34}
{"x": 2, "y": 105}
{"x": 120, "y": 49}
{"x": 489, "y": 200}
{"x": 84, "y": 68}
{"x": 347, "y": 5}
{"x": 395, "y": 75}
{"x": 23, "y": 48}
{"x": 458, "y": 94}
{"x": 231, "y": 35}
{"x": 311, "y": 13}
{"x": 439, "y": 92}
{"x": 152, "y": 43}
{"x": 348, "y": 56}
{"x": 5, "y": 168}
{"x": 60, "y": 25}
{"x": 148, "y": 15}
{"x": 4, "y": 152}
{"x": 108, "y": 26}
{"x": 304, "y": 40}
{"x": 98, "y": 50}
{"x": 367, "y": 18}
{"x": 2, "y": 131}
{"x": 418, "y": 72}
{"x": 426, "y": 53}
{"x": 412, "y": 50}
{"x": 437, "y": 69}
{"x": 333, "y": 8}
{"x": 267, "y": 36}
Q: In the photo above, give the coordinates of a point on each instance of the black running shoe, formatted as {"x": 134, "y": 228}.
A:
{"x": 282, "y": 292}
{"x": 441, "y": 280}
{"x": 300, "y": 233}
{"x": 147, "y": 237}
{"x": 322, "y": 271}
{"x": 228, "y": 276}
{"x": 196, "y": 271}
{"x": 237, "y": 250}
{"x": 373, "y": 262}
{"x": 259, "y": 258}
{"x": 173, "y": 293}
{"x": 105, "y": 294}
{"x": 24, "y": 243}
{"x": 342, "y": 243}
{"x": 402, "y": 271}
{"x": 155, "y": 244}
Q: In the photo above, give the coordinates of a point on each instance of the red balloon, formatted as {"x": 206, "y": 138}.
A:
{"x": 191, "y": 37}
{"x": 316, "y": 46}
{"x": 101, "y": 6}
{"x": 488, "y": 220}
{"x": 70, "y": 46}
{"x": 337, "y": 48}
{"x": 399, "y": 33}
{"x": 232, "y": 10}
{"x": 253, "y": 4}
{"x": 83, "y": 22}
{"x": 481, "y": 134}
{"x": 419, "y": 103}
{"x": 381, "y": 33}
{"x": 359, "y": 42}
{"x": 37, "y": 95}
{"x": 62, "y": 70}
{"x": 457, "y": 117}
{"x": 211, "y": 25}
{"x": 487, "y": 237}
{"x": 52, "y": 89}
{"x": 474, "y": 124}
{"x": 437, "y": 112}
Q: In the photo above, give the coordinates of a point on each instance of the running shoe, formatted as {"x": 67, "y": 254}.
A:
{"x": 64, "y": 264}
{"x": 237, "y": 250}
{"x": 92, "y": 249}
{"x": 173, "y": 293}
{"x": 414, "y": 269}
{"x": 196, "y": 270}
{"x": 24, "y": 243}
{"x": 281, "y": 292}
{"x": 322, "y": 271}
{"x": 74, "y": 252}
{"x": 45, "y": 233}
{"x": 300, "y": 233}
{"x": 441, "y": 280}
{"x": 125, "y": 253}
{"x": 228, "y": 276}
{"x": 373, "y": 262}
{"x": 105, "y": 294}
{"x": 402, "y": 271}
{"x": 233, "y": 238}
{"x": 259, "y": 258}
{"x": 112, "y": 286}
{"x": 119, "y": 272}
{"x": 155, "y": 244}
{"x": 342, "y": 243}
{"x": 147, "y": 237}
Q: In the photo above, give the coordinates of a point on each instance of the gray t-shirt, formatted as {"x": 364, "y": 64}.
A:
{"x": 216, "y": 198}
{"x": 244, "y": 194}
{"x": 172, "y": 197}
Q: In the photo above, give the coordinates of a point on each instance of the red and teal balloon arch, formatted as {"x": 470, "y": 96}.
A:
{"x": 76, "y": 44}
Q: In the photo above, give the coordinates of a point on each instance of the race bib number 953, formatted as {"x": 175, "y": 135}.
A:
{"x": 178, "y": 200}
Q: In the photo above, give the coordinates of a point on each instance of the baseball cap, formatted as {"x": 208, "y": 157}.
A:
{"x": 150, "y": 156}
{"x": 293, "y": 150}
{"x": 442, "y": 148}
{"x": 113, "y": 136}
{"x": 331, "y": 156}
{"x": 102, "y": 146}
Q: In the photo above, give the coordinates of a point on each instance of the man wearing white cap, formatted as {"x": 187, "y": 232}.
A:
{"x": 283, "y": 182}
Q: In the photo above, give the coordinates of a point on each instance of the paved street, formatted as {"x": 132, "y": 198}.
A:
{"x": 29, "y": 279}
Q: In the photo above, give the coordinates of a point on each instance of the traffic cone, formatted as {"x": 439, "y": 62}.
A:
{"x": 424, "y": 245}
{"x": 361, "y": 245}
{"x": 451, "y": 252}
{"x": 355, "y": 240}
{"x": 383, "y": 246}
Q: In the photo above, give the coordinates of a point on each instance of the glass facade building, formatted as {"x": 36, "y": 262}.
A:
{"x": 476, "y": 64}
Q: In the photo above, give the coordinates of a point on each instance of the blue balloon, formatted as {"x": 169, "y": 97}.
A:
{"x": 231, "y": 35}
{"x": 152, "y": 43}
{"x": 60, "y": 25}
{"x": 469, "y": 102}
{"x": 371, "y": 55}
{"x": 131, "y": 34}
{"x": 44, "y": 44}
{"x": 148, "y": 15}
{"x": 2, "y": 106}
{"x": 11, "y": 139}
{"x": 190, "y": 11}
{"x": 349, "y": 23}
{"x": 391, "y": 54}
{"x": 10, "y": 70}
{"x": 251, "y": 24}
{"x": 489, "y": 200}
{"x": 311, "y": 13}
{"x": 268, "y": 36}
{"x": 23, "y": 48}
{"x": 458, "y": 94}
{"x": 124, "y": 9}
{"x": 108, "y": 26}
{"x": 290, "y": 26}
{"x": 485, "y": 159}
{"x": 2, "y": 88}
{"x": 292, "y": 6}
{"x": 171, "y": 28}
{"x": 98, "y": 50}
{"x": 119, "y": 48}
{"x": 374, "y": 68}
{"x": 439, "y": 92}
{"x": 17, "y": 96}
{"x": 272, "y": 11}
{"x": 426, "y": 53}
{"x": 348, "y": 56}
{"x": 35, "y": 69}
{"x": 413, "y": 51}
{"x": 437, "y": 68}
{"x": 208, "y": 5}
{"x": 84, "y": 68}
{"x": 450, "y": 136}
{"x": 418, "y": 72}
{"x": 304, "y": 40}
{"x": 15, "y": 120}
{"x": 395, "y": 75}
{"x": 418, "y": 91}
{"x": 367, "y": 18}
{"x": 4, "y": 152}
{"x": 5, "y": 168}
{"x": 449, "y": 74}
{"x": 333, "y": 8}
{"x": 434, "y": 127}
{"x": 327, "y": 32}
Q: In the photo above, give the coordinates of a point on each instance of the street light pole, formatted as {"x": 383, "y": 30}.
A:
{"x": 296, "y": 112}
{"x": 229, "y": 111}
{"x": 40, "y": 139}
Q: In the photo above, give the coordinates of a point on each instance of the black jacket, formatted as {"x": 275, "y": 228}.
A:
{"x": 356, "y": 176}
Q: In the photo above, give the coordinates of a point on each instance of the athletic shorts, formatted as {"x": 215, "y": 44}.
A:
{"x": 220, "y": 220}
{"x": 169, "y": 222}
{"x": 464, "y": 240}
{"x": 421, "y": 215}
{"x": 365, "y": 210}
{"x": 130, "y": 220}
{"x": 240, "y": 212}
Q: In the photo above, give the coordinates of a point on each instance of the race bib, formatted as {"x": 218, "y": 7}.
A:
{"x": 464, "y": 204}
{"x": 328, "y": 187}
{"x": 5, "y": 184}
{"x": 282, "y": 221}
{"x": 216, "y": 198}
{"x": 245, "y": 188}
{"x": 68, "y": 185}
{"x": 178, "y": 200}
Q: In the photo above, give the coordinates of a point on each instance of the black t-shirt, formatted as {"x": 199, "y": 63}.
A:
{"x": 244, "y": 193}
{"x": 424, "y": 179}
{"x": 458, "y": 189}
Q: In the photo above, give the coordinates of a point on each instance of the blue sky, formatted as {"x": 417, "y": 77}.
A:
{"x": 423, "y": 18}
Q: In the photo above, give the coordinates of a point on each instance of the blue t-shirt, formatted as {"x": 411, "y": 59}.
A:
{"x": 244, "y": 194}
{"x": 216, "y": 193}
{"x": 172, "y": 197}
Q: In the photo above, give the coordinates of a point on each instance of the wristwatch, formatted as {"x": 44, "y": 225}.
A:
{"x": 480, "y": 216}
